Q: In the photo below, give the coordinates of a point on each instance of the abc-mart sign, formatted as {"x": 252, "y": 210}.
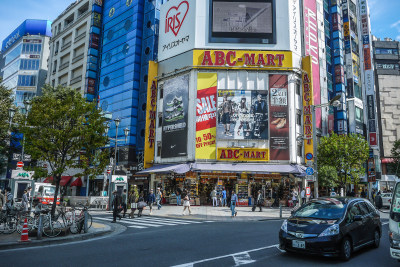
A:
{"x": 177, "y": 28}
{"x": 20, "y": 174}
{"x": 119, "y": 179}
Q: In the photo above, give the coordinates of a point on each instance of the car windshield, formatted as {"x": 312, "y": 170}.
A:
{"x": 49, "y": 191}
{"x": 386, "y": 195}
{"x": 322, "y": 209}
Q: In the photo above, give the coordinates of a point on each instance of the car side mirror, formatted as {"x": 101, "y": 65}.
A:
{"x": 357, "y": 218}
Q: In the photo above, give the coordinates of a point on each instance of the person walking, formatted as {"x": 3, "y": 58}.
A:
{"x": 133, "y": 199}
{"x": 123, "y": 204}
{"x": 2, "y": 199}
{"x": 234, "y": 201}
{"x": 214, "y": 197}
{"x": 275, "y": 197}
{"x": 158, "y": 198}
{"x": 150, "y": 200}
{"x": 260, "y": 200}
{"x": 25, "y": 202}
{"x": 223, "y": 199}
{"x": 116, "y": 205}
{"x": 178, "y": 196}
{"x": 294, "y": 197}
{"x": 29, "y": 192}
{"x": 9, "y": 199}
{"x": 186, "y": 203}
{"x": 140, "y": 205}
{"x": 303, "y": 196}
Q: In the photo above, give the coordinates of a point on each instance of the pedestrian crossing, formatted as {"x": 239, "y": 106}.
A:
{"x": 147, "y": 222}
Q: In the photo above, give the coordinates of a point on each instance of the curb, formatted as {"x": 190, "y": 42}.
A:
{"x": 61, "y": 240}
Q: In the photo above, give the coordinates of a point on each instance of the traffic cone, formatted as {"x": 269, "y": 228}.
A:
{"x": 24, "y": 234}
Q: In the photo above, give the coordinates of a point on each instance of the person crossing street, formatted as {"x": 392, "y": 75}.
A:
{"x": 116, "y": 205}
{"x": 150, "y": 200}
{"x": 158, "y": 198}
{"x": 234, "y": 201}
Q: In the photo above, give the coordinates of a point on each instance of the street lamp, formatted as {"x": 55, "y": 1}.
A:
{"x": 11, "y": 113}
{"x": 28, "y": 106}
{"x": 335, "y": 103}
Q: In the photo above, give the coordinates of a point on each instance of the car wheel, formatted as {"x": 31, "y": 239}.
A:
{"x": 377, "y": 239}
{"x": 345, "y": 252}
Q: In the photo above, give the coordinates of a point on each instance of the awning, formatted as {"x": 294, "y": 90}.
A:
{"x": 176, "y": 168}
{"x": 77, "y": 182}
{"x": 63, "y": 182}
{"x": 243, "y": 167}
{"x": 387, "y": 160}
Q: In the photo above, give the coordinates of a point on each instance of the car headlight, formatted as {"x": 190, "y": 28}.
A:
{"x": 331, "y": 230}
{"x": 284, "y": 226}
{"x": 394, "y": 240}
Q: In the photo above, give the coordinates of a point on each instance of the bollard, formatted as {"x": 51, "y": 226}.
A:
{"x": 40, "y": 227}
{"x": 85, "y": 228}
{"x": 280, "y": 211}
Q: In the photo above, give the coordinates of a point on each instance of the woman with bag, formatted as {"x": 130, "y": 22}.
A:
{"x": 186, "y": 203}
{"x": 133, "y": 199}
{"x": 141, "y": 205}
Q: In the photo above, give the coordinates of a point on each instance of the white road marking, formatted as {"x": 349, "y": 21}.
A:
{"x": 161, "y": 222}
{"x": 385, "y": 223}
{"x": 131, "y": 222}
{"x": 209, "y": 221}
{"x": 173, "y": 220}
{"x": 242, "y": 259}
{"x": 190, "y": 264}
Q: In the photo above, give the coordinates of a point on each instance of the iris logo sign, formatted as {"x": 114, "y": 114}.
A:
{"x": 175, "y": 17}
{"x": 119, "y": 179}
{"x": 12, "y": 39}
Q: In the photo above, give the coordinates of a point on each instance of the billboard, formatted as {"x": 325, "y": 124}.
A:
{"x": 312, "y": 49}
{"x": 279, "y": 117}
{"x": 242, "y": 22}
{"x": 242, "y": 114}
{"x": 308, "y": 101}
{"x": 206, "y": 115}
{"x": 243, "y": 154}
{"x": 175, "y": 117}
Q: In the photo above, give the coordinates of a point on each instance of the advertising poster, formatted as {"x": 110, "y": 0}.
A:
{"x": 242, "y": 114}
{"x": 206, "y": 115}
{"x": 279, "y": 117}
{"x": 307, "y": 103}
{"x": 175, "y": 117}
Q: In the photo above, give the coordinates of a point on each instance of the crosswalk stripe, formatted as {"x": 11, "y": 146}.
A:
{"x": 173, "y": 220}
{"x": 131, "y": 222}
{"x": 157, "y": 221}
{"x": 149, "y": 221}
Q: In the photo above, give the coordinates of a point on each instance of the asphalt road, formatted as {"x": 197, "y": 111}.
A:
{"x": 160, "y": 242}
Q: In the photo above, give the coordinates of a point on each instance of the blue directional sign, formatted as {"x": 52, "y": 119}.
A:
{"x": 309, "y": 156}
{"x": 309, "y": 171}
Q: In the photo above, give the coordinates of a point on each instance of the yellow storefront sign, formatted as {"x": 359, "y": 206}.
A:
{"x": 243, "y": 154}
{"x": 151, "y": 110}
{"x": 308, "y": 102}
{"x": 242, "y": 59}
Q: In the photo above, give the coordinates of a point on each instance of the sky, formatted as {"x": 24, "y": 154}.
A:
{"x": 385, "y": 15}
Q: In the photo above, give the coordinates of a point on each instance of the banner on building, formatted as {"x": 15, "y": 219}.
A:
{"x": 175, "y": 117}
{"x": 206, "y": 115}
{"x": 242, "y": 114}
{"x": 243, "y": 154}
{"x": 307, "y": 105}
{"x": 279, "y": 117}
{"x": 151, "y": 110}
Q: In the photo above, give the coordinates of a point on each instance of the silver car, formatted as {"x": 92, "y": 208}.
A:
{"x": 386, "y": 200}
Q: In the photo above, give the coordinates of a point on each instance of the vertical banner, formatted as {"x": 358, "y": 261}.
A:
{"x": 307, "y": 105}
{"x": 175, "y": 117}
{"x": 151, "y": 110}
{"x": 279, "y": 117}
{"x": 312, "y": 49}
{"x": 206, "y": 115}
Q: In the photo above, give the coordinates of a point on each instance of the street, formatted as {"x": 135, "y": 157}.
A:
{"x": 155, "y": 241}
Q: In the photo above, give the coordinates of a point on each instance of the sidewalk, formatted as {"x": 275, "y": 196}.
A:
{"x": 12, "y": 240}
{"x": 214, "y": 213}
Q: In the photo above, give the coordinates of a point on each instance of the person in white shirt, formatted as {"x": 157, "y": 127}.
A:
{"x": 214, "y": 198}
{"x": 303, "y": 196}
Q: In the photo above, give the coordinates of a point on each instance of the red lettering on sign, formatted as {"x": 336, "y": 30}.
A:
{"x": 261, "y": 60}
{"x": 281, "y": 58}
{"x": 308, "y": 129}
{"x": 175, "y": 17}
{"x": 219, "y": 58}
{"x": 249, "y": 59}
{"x": 306, "y": 79}
{"x": 228, "y": 58}
{"x": 270, "y": 60}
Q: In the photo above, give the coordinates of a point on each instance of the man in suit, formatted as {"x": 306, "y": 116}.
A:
{"x": 260, "y": 113}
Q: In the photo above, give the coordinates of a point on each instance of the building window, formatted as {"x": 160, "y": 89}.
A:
{"x": 108, "y": 57}
{"x": 26, "y": 80}
{"x": 125, "y": 49}
{"x": 145, "y": 78}
{"x": 158, "y": 149}
{"x": 128, "y": 2}
{"x": 148, "y": 24}
{"x": 128, "y": 24}
{"x": 144, "y": 107}
{"x": 359, "y": 114}
{"x": 110, "y": 34}
{"x": 29, "y": 64}
{"x": 111, "y": 12}
{"x": 160, "y": 119}
{"x": 147, "y": 50}
{"x": 386, "y": 51}
{"x": 106, "y": 81}
{"x": 298, "y": 117}
{"x": 299, "y": 150}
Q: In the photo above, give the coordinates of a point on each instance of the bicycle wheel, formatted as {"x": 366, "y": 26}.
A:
{"x": 89, "y": 221}
{"x": 9, "y": 225}
{"x": 52, "y": 229}
{"x": 21, "y": 222}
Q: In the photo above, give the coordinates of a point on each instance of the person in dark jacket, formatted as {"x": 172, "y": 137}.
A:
{"x": 150, "y": 200}
{"x": 117, "y": 201}
{"x": 378, "y": 201}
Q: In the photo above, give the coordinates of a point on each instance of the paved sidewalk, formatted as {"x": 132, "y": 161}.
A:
{"x": 213, "y": 213}
{"x": 13, "y": 240}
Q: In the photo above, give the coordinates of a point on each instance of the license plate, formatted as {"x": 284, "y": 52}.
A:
{"x": 298, "y": 244}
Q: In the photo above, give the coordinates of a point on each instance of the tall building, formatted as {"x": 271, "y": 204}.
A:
{"x": 25, "y": 53}
{"x": 387, "y": 76}
{"x": 74, "y": 47}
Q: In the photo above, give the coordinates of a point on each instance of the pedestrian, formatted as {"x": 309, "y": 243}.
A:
{"x": 260, "y": 200}
{"x": 141, "y": 205}
{"x": 133, "y": 199}
{"x": 303, "y": 196}
{"x": 294, "y": 197}
{"x": 214, "y": 197}
{"x": 116, "y": 205}
{"x": 178, "y": 196}
{"x": 333, "y": 193}
{"x": 2, "y": 199}
{"x": 158, "y": 198}
{"x": 29, "y": 197}
{"x": 25, "y": 201}
{"x": 378, "y": 201}
{"x": 275, "y": 197}
{"x": 9, "y": 199}
{"x": 223, "y": 200}
{"x": 150, "y": 200}
{"x": 186, "y": 203}
{"x": 234, "y": 201}
{"x": 123, "y": 204}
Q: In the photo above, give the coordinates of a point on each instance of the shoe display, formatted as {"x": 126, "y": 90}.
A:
{"x": 276, "y": 121}
{"x": 281, "y": 124}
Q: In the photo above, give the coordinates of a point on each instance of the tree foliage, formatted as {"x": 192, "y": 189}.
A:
{"x": 345, "y": 154}
{"x": 66, "y": 131}
{"x": 395, "y": 165}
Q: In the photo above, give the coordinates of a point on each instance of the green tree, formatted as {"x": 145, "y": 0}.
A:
{"x": 66, "y": 131}
{"x": 345, "y": 154}
{"x": 327, "y": 176}
{"x": 395, "y": 165}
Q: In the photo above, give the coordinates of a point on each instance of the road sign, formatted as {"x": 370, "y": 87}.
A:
{"x": 310, "y": 163}
{"x": 308, "y": 191}
{"x": 108, "y": 171}
{"x": 44, "y": 166}
{"x": 309, "y": 171}
{"x": 310, "y": 178}
{"x": 27, "y": 157}
{"x": 16, "y": 156}
{"x": 20, "y": 164}
{"x": 309, "y": 156}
